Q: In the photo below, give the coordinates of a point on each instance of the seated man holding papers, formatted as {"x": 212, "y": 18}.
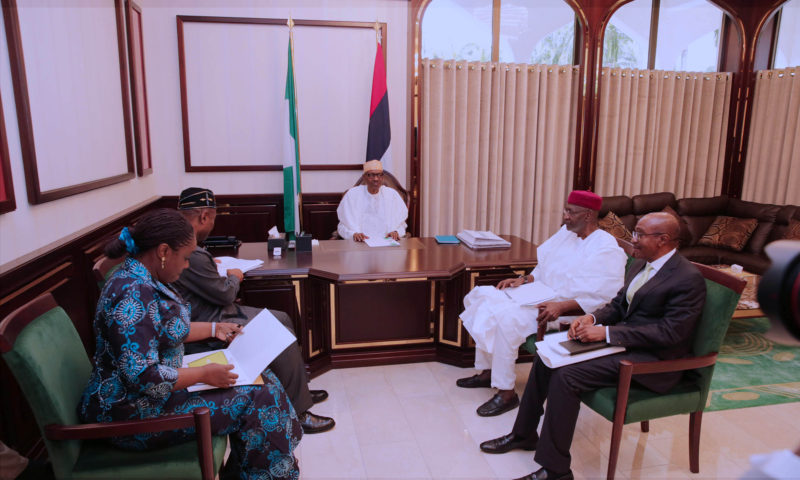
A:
{"x": 579, "y": 268}
{"x": 653, "y": 317}
{"x": 372, "y": 210}
{"x": 212, "y": 296}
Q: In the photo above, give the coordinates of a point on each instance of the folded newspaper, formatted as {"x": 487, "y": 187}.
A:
{"x": 226, "y": 263}
{"x": 259, "y": 342}
{"x": 554, "y": 355}
{"x": 482, "y": 239}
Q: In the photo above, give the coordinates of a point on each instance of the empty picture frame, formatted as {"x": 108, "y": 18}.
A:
{"x": 68, "y": 67}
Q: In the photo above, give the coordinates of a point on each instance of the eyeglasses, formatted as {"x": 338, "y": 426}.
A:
{"x": 572, "y": 213}
{"x": 375, "y": 175}
{"x": 637, "y": 235}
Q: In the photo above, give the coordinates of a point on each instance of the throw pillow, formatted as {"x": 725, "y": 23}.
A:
{"x": 612, "y": 224}
{"x": 793, "y": 232}
{"x": 729, "y": 232}
{"x": 685, "y": 237}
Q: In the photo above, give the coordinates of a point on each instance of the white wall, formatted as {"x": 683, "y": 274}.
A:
{"x": 31, "y": 227}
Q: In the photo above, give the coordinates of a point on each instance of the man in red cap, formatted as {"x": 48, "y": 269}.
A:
{"x": 583, "y": 265}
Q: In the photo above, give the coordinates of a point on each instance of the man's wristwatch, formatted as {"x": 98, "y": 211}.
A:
{"x": 524, "y": 279}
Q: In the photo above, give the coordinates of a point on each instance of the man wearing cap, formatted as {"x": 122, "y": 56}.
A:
{"x": 372, "y": 210}
{"x": 581, "y": 263}
{"x": 212, "y": 300}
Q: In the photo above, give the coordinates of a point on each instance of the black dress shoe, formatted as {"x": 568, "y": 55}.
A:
{"x": 315, "y": 423}
{"x": 545, "y": 474}
{"x": 496, "y": 405}
{"x": 318, "y": 396}
{"x": 473, "y": 382}
{"x": 506, "y": 443}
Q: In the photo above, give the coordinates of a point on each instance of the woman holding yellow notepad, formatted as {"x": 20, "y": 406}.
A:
{"x": 140, "y": 327}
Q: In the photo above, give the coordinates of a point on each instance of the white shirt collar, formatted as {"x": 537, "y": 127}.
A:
{"x": 660, "y": 261}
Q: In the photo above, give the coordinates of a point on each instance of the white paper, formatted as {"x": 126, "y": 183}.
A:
{"x": 260, "y": 341}
{"x": 381, "y": 242}
{"x": 481, "y": 239}
{"x": 532, "y": 293}
{"x": 226, "y": 263}
{"x": 554, "y": 359}
{"x": 273, "y": 232}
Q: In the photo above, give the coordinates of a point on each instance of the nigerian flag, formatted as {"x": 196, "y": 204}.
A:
{"x": 291, "y": 156}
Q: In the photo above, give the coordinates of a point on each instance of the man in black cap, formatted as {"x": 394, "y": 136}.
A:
{"x": 212, "y": 300}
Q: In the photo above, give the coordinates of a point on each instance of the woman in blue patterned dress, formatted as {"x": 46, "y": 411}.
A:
{"x": 140, "y": 327}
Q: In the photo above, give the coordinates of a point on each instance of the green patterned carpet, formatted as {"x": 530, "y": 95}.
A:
{"x": 752, "y": 370}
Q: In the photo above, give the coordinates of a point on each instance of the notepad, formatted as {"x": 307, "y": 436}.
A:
{"x": 554, "y": 355}
{"x": 447, "y": 239}
{"x": 575, "y": 347}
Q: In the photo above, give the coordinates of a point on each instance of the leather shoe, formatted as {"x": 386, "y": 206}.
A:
{"x": 474, "y": 381}
{"x": 318, "y": 396}
{"x": 506, "y": 443}
{"x": 545, "y": 474}
{"x": 496, "y": 405}
{"x": 315, "y": 423}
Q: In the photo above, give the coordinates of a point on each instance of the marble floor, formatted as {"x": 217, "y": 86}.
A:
{"x": 412, "y": 422}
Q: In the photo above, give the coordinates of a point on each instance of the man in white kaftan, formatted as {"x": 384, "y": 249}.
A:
{"x": 372, "y": 210}
{"x": 581, "y": 263}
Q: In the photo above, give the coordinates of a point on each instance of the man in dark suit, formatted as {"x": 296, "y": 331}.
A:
{"x": 654, "y": 316}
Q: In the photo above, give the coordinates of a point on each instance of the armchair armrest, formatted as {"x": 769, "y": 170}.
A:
{"x": 627, "y": 369}
{"x": 200, "y": 418}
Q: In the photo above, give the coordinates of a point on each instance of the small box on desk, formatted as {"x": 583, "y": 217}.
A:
{"x": 273, "y": 243}
{"x": 303, "y": 243}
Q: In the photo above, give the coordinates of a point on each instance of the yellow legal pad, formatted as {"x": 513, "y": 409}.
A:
{"x": 219, "y": 357}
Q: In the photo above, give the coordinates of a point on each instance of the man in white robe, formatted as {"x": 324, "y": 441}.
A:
{"x": 372, "y": 210}
{"x": 581, "y": 263}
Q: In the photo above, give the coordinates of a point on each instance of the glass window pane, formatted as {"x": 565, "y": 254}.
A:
{"x": 788, "y": 52}
{"x": 627, "y": 36}
{"x": 458, "y": 29}
{"x": 688, "y": 36}
{"x": 542, "y": 32}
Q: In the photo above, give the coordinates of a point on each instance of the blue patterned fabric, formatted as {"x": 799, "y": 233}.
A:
{"x": 139, "y": 329}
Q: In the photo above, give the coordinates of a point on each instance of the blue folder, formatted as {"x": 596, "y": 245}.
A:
{"x": 446, "y": 239}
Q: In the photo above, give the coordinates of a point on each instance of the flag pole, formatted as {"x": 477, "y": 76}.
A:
{"x": 299, "y": 218}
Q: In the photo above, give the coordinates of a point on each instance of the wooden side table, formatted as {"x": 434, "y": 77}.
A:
{"x": 748, "y": 303}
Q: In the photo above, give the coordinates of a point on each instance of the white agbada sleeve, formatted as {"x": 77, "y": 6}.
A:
{"x": 396, "y": 211}
{"x": 348, "y": 214}
{"x": 601, "y": 278}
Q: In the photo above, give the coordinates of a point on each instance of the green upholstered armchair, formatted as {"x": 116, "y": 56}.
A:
{"x": 629, "y": 403}
{"x": 53, "y": 379}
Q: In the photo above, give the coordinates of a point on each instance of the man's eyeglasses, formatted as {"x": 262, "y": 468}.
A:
{"x": 375, "y": 175}
{"x": 637, "y": 235}
{"x": 570, "y": 212}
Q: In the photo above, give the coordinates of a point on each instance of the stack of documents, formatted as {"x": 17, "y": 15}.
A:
{"x": 529, "y": 294}
{"x": 226, "y": 263}
{"x": 255, "y": 347}
{"x": 482, "y": 239}
{"x": 555, "y": 355}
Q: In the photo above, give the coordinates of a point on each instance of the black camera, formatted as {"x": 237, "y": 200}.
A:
{"x": 779, "y": 289}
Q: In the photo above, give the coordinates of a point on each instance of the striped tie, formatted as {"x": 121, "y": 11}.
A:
{"x": 635, "y": 286}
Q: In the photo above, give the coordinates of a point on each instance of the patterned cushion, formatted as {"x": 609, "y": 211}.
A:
{"x": 613, "y": 225}
{"x": 793, "y": 232}
{"x": 729, "y": 232}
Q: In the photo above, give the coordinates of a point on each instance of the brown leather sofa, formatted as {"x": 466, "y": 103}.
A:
{"x": 699, "y": 213}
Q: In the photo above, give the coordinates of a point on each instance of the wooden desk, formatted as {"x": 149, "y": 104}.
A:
{"x": 354, "y": 305}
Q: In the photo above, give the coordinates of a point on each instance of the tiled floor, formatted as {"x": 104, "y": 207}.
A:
{"x": 411, "y": 421}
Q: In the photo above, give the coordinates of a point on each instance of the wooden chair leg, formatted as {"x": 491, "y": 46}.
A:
{"x": 205, "y": 449}
{"x": 646, "y": 426}
{"x": 695, "y": 420}
{"x": 613, "y": 455}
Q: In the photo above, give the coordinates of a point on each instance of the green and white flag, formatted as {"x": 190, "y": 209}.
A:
{"x": 291, "y": 155}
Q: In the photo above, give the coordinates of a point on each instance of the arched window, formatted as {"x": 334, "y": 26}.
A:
{"x": 681, "y": 35}
{"x": 529, "y": 32}
{"x": 787, "y": 53}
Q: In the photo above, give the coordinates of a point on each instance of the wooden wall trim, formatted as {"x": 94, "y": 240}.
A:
{"x": 141, "y": 127}
{"x": 25, "y": 120}
{"x": 8, "y": 202}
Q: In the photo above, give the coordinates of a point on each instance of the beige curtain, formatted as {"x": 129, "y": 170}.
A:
{"x": 772, "y": 170}
{"x": 662, "y": 131}
{"x": 497, "y": 143}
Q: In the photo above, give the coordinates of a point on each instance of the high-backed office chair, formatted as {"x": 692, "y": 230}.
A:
{"x": 53, "y": 379}
{"x": 630, "y": 403}
{"x": 104, "y": 267}
{"x": 390, "y": 181}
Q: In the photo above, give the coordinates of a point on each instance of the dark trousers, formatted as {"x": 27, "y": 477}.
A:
{"x": 562, "y": 388}
{"x": 289, "y": 366}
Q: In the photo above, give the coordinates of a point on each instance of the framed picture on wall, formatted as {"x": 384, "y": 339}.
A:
{"x": 7, "y": 201}
{"x": 141, "y": 117}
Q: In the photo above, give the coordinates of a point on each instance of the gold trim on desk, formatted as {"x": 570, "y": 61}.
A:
{"x": 472, "y": 277}
{"x": 380, "y": 343}
{"x": 296, "y": 284}
{"x": 311, "y": 352}
{"x": 384, "y": 280}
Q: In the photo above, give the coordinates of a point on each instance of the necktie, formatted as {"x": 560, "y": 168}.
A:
{"x": 635, "y": 286}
